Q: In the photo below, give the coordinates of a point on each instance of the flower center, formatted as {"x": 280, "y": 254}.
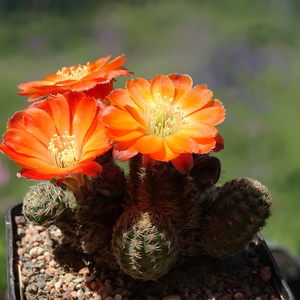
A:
{"x": 162, "y": 118}
{"x": 73, "y": 73}
{"x": 63, "y": 150}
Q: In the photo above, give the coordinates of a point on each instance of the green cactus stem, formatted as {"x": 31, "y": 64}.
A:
{"x": 44, "y": 203}
{"x": 144, "y": 244}
{"x": 238, "y": 210}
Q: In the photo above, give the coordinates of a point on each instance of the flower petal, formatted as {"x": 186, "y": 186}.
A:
{"x": 119, "y": 119}
{"x": 198, "y": 130}
{"x": 22, "y": 160}
{"x": 149, "y": 144}
{"x": 179, "y": 143}
{"x": 83, "y": 118}
{"x": 40, "y": 125}
{"x": 58, "y": 109}
{"x": 139, "y": 91}
{"x": 162, "y": 87}
{"x": 121, "y": 98}
{"x": 165, "y": 154}
{"x": 23, "y": 142}
{"x": 195, "y": 99}
{"x": 17, "y": 121}
{"x": 210, "y": 115}
{"x": 183, "y": 163}
{"x": 182, "y": 83}
{"x": 219, "y": 144}
{"x": 82, "y": 85}
{"x": 125, "y": 135}
{"x": 206, "y": 144}
{"x": 124, "y": 150}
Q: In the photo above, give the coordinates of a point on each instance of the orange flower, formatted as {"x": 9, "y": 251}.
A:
{"x": 57, "y": 138}
{"x": 165, "y": 119}
{"x": 94, "y": 79}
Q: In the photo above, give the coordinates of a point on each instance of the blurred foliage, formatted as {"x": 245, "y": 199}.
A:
{"x": 247, "y": 52}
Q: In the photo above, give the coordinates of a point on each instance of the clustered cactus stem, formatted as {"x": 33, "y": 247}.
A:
{"x": 155, "y": 217}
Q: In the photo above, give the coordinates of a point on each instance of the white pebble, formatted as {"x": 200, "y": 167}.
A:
{"x": 36, "y": 251}
{"x": 80, "y": 295}
{"x": 57, "y": 285}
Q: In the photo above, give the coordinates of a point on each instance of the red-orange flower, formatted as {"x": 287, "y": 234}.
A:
{"x": 57, "y": 137}
{"x": 165, "y": 119}
{"x": 94, "y": 79}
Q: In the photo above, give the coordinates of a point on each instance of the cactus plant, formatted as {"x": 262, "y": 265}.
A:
{"x": 169, "y": 207}
{"x": 45, "y": 202}
{"x": 144, "y": 244}
{"x": 237, "y": 210}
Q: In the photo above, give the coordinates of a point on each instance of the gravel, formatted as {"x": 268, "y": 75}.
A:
{"x": 43, "y": 277}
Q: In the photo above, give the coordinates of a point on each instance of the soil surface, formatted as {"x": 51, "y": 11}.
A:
{"x": 39, "y": 251}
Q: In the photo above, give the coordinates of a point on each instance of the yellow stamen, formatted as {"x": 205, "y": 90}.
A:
{"x": 161, "y": 117}
{"x": 73, "y": 73}
{"x": 63, "y": 150}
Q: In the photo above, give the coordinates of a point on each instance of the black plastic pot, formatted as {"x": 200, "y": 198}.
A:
{"x": 13, "y": 279}
{"x": 289, "y": 264}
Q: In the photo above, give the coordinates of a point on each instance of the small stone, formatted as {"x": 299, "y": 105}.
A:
{"x": 78, "y": 280}
{"x": 80, "y": 295}
{"x": 52, "y": 263}
{"x": 118, "y": 297}
{"x": 123, "y": 292}
{"x": 172, "y": 297}
{"x": 71, "y": 286}
{"x": 36, "y": 251}
{"x": 68, "y": 277}
{"x": 57, "y": 285}
{"x": 41, "y": 257}
{"x": 194, "y": 296}
{"x": 67, "y": 295}
{"x": 53, "y": 271}
{"x": 94, "y": 286}
{"x": 105, "y": 291}
{"x": 21, "y": 232}
{"x": 20, "y": 220}
{"x": 238, "y": 296}
{"x": 265, "y": 274}
{"x": 48, "y": 256}
{"x": 40, "y": 228}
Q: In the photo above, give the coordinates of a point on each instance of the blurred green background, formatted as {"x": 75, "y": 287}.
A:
{"x": 247, "y": 52}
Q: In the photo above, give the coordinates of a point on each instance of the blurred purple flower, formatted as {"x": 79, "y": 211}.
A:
{"x": 4, "y": 175}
